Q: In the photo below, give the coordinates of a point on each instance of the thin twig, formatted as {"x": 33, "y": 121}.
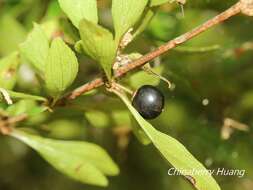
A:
{"x": 16, "y": 119}
{"x": 233, "y": 10}
{"x": 85, "y": 88}
{"x": 7, "y": 123}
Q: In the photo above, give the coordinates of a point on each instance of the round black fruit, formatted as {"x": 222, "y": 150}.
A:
{"x": 148, "y": 101}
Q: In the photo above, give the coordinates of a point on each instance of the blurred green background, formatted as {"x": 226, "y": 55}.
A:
{"x": 212, "y": 76}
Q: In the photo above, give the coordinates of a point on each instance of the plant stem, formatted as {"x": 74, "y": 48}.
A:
{"x": 233, "y": 10}
{"x": 6, "y": 124}
{"x": 85, "y": 88}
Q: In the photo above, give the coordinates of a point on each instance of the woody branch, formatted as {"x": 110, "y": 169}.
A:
{"x": 243, "y": 6}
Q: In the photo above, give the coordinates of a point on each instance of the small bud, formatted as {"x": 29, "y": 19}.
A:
{"x": 127, "y": 38}
{"x": 247, "y": 7}
{"x": 121, "y": 60}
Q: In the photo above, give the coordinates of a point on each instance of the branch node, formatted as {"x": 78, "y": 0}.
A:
{"x": 244, "y": 6}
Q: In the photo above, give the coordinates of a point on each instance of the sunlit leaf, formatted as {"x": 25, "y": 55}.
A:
{"x": 36, "y": 47}
{"x": 98, "y": 43}
{"x": 11, "y": 34}
{"x": 61, "y": 67}
{"x": 8, "y": 70}
{"x": 125, "y": 14}
{"x": 139, "y": 133}
{"x": 70, "y": 33}
{"x": 174, "y": 152}
{"x": 53, "y": 10}
{"x": 79, "y": 46}
{"x": 19, "y": 95}
{"x": 77, "y": 10}
{"x": 51, "y": 28}
{"x": 85, "y": 162}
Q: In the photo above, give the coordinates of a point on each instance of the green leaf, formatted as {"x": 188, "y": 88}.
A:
{"x": 80, "y": 9}
{"x": 8, "y": 70}
{"x": 139, "y": 133}
{"x": 174, "y": 152}
{"x": 19, "y": 95}
{"x": 28, "y": 107}
{"x": 61, "y": 67}
{"x": 70, "y": 33}
{"x": 12, "y": 33}
{"x": 82, "y": 161}
{"x": 98, "y": 43}
{"x": 36, "y": 47}
{"x": 125, "y": 14}
{"x": 53, "y": 10}
{"x": 79, "y": 46}
{"x": 50, "y": 28}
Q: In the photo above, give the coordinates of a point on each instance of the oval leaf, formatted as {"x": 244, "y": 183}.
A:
{"x": 139, "y": 133}
{"x": 79, "y": 9}
{"x": 19, "y": 95}
{"x": 125, "y": 14}
{"x": 36, "y": 47}
{"x": 174, "y": 152}
{"x": 82, "y": 161}
{"x": 98, "y": 43}
{"x": 61, "y": 67}
{"x": 12, "y": 33}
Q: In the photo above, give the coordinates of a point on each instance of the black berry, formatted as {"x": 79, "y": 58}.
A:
{"x": 148, "y": 101}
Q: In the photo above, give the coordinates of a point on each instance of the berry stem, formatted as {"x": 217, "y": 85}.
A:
{"x": 151, "y": 72}
{"x": 124, "y": 88}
